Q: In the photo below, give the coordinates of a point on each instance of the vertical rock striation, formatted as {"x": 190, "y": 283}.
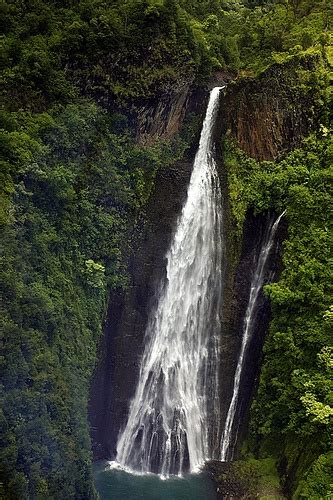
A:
{"x": 121, "y": 348}
{"x": 269, "y": 116}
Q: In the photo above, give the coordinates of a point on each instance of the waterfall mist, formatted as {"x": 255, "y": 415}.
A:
{"x": 174, "y": 416}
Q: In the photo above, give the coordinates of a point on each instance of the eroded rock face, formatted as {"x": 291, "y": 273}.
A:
{"x": 236, "y": 303}
{"x": 267, "y": 117}
{"x": 270, "y": 115}
{"x": 162, "y": 119}
{"x": 115, "y": 378}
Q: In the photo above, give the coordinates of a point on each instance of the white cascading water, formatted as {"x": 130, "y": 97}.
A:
{"x": 176, "y": 399}
{"x": 256, "y": 286}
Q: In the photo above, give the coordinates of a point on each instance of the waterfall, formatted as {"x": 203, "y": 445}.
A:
{"x": 256, "y": 286}
{"x": 176, "y": 399}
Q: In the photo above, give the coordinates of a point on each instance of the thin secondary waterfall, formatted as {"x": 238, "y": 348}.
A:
{"x": 176, "y": 399}
{"x": 256, "y": 286}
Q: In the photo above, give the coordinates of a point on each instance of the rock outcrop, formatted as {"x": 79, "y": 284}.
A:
{"x": 270, "y": 115}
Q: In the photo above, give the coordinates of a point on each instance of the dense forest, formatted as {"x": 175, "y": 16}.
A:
{"x": 75, "y": 180}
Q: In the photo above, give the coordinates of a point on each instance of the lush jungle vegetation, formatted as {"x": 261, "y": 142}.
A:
{"x": 292, "y": 412}
{"x": 74, "y": 181}
{"x": 291, "y": 417}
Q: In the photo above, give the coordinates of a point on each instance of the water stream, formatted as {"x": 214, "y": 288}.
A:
{"x": 257, "y": 283}
{"x": 174, "y": 416}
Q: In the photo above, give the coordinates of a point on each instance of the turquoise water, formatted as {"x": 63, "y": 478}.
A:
{"x": 114, "y": 484}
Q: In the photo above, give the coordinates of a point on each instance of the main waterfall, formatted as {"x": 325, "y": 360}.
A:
{"x": 257, "y": 283}
{"x": 173, "y": 418}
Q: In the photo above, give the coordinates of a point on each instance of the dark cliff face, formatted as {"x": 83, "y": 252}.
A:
{"x": 270, "y": 115}
{"x": 255, "y": 228}
{"x": 163, "y": 119}
{"x": 267, "y": 117}
{"x": 266, "y": 120}
{"x": 239, "y": 264}
{"x": 240, "y": 260}
{"x": 115, "y": 378}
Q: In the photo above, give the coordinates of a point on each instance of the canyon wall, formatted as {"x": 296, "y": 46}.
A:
{"x": 116, "y": 374}
{"x": 267, "y": 116}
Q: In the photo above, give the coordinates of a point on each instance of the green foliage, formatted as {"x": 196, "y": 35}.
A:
{"x": 295, "y": 388}
{"x": 73, "y": 183}
{"x": 142, "y": 48}
{"x": 95, "y": 273}
{"x": 75, "y": 189}
{"x": 134, "y": 49}
{"x": 318, "y": 479}
{"x": 250, "y": 478}
{"x": 249, "y": 36}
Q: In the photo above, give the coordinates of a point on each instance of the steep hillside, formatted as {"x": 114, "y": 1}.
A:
{"x": 101, "y": 100}
{"x": 286, "y": 108}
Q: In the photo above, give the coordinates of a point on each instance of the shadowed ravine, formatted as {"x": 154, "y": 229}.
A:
{"x": 257, "y": 282}
{"x": 175, "y": 406}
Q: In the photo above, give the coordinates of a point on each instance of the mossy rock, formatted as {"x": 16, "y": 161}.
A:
{"x": 246, "y": 479}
